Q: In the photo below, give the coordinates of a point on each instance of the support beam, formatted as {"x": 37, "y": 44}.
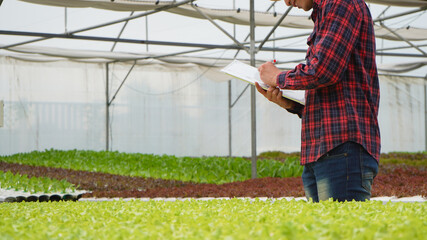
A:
{"x": 146, "y": 32}
{"x": 275, "y": 27}
{"x": 65, "y": 20}
{"x": 399, "y": 14}
{"x": 107, "y": 108}
{"x": 425, "y": 111}
{"x": 229, "y": 120}
{"x": 180, "y": 44}
{"x": 249, "y": 34}
{"x": 121, "y": 32}
{"x": 287, "y": 37}
{"x": 205, "y": 49}
{"x": 399, "y": 48}
{"x": 240, "y": 95}
{"x": 403, "y": 39}
{"x": 383, "y": 12}
{"x": 105, "y": 24}
{"x": 220, "y": 28}
{"x": 123, "y": 82}
{"x": 253, "y": 99}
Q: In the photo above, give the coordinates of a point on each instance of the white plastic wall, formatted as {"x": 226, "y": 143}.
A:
{"x": 51, "y": 105}
{"x": 162, "y": 110}
{"x": 402, "y": 114}
{"x": 1, "y": 113}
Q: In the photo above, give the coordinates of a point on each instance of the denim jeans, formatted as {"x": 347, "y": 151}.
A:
{"x": 344, "y": 173}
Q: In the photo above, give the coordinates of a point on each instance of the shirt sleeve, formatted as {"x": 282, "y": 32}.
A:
{"x": 296, "y": 109}
{"x": 329, "y": 54}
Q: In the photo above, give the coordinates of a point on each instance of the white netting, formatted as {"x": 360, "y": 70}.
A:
{"x": 164, "y": 110}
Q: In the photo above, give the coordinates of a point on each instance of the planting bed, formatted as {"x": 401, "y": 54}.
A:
{"x": 393, "y": 180}
{"x": 115, "y": 175}
{"x": 213, "y": 219}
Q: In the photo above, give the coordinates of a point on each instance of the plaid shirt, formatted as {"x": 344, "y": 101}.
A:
{"x": 340, "y": 78}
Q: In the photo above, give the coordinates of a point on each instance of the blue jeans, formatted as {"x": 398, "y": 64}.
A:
{"x": 344, "y": 173}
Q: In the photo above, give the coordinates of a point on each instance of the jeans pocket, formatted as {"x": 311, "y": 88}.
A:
{"x": 326, "y": 157}
{"x": 367, "y": 180}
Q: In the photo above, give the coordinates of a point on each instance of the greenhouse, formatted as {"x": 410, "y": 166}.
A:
{"x": 121, "y": 107}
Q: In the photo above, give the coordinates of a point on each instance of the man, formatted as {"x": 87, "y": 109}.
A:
{"x": 340, "y": 139}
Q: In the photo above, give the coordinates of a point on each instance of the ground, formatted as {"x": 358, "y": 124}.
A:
{"x": 393, "y": 180}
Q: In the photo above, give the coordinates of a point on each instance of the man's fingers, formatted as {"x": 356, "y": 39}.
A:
{"x": 278, "y": 93}
{"x": 270, "y": 94}
{"x": 260, "y": 89}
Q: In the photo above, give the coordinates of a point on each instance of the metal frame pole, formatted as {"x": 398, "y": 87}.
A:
{"x": 275, "y": 26}
{"x": 425, "y": 111}
{"x": 229, "y": 100}
{"x": 123, "y": 82}
{"x": 205, "y": 49}
{"x": 146, "y": 32}
{"x": 399, "y": 14}
{"x": 107, "y": 109}
{"x": 399, "y": 48}
{"x": 65, "y": 19}
{"x": 180, "y": 44}
{"x": 104, "y": 24}
{"x": 220, "y": 28}
{"x": 403, "y": 39}
{"x": 229, "y": 120}
{"x": 109, "y": 102}
{"x": 121, "y": 32}
{"x": 253, "y": 99}
{"x": 249, "y": 34}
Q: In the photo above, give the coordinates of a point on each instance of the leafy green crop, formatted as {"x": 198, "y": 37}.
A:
{"x": 216, "y": 219}
{"x": 201, "y": 170}
{"x": 418, "y": 159}
{"x": 19, "y": 182}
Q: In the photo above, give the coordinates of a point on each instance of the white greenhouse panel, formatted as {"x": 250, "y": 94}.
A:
{"x": 1, "y": 113}
{"x": 176, "y": 111}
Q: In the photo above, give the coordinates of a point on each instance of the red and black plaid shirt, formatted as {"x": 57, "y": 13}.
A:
{"x": 340, "y": 78}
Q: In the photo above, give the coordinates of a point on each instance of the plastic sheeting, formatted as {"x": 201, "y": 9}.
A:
{"x": 239, "y": 16}
{"x": 47, "y": 54}
{"x": 160, "y": 110}
{"x": 32, "y": 53}
{"x": 401, "y": 67}
{"x": 400, "y": 3}
{"x": 142, "y": 5}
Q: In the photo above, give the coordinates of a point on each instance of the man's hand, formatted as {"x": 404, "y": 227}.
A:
{"x": 274, "y": 94}
{"x": 268, "y": 73}
{"x": 290, "y": 3}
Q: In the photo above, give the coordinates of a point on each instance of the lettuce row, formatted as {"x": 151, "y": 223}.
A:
{"x": 17, "y": 182}
{"x": 216, "y": 170}
{"x": 215, "y": 219}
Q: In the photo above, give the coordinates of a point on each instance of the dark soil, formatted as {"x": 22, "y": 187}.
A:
{"x": 261, "y": 187}
{"x": 393, "y": 180}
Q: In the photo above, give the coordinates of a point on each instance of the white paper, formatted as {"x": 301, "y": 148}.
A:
{"x": 247, "y": 73}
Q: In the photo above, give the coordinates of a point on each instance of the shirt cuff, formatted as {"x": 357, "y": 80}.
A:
{"x": 281, "y": 79}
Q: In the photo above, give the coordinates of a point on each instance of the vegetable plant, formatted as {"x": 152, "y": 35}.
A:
{"x": 214, "y": 219}
{"x": 18, "y": 182}
{"x": 200, "y": 170}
